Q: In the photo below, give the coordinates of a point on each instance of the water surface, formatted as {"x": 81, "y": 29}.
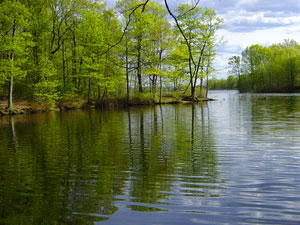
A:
{"x": 232, "y": 161}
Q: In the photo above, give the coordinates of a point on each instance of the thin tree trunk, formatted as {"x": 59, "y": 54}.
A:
{"x": 160, "y": 89}
{"x": 127, "y": 71}
{"x": 193, "y": 94}
{"x": 80, "y": 70}
{"x": 191, "y": 58}
{"x": 160, "y": 79}
{"x": 197, "y": 70}
{"x": 201, "y": 86}
{"x": 74, "y": 60}
{"x": 64, "y": 63}
{"x": 10, "y": 93}
{"x": 207, "y": 84}
{"x": 11, "y": 79}
{"x": 35, "y": 54}
{"x": 139, "y": 66}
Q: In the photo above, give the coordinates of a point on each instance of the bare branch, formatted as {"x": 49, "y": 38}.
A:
{"x": 145, "y": 5}
{"x": 134, "y": 9}
{"x": 191, "y": 9}
{"x": 181, "y": 31}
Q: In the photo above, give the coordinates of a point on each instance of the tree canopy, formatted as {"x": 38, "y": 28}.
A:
{"x": 55, "y": 50}
{"x": 275, "y": 68}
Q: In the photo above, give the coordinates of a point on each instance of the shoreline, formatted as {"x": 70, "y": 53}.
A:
{"x": 27, "y": 107}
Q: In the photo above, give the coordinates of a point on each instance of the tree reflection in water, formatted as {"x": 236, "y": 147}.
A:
{"x": 81, "y": 167}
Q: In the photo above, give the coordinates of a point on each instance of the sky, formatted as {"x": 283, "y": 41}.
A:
{"x": 248, "y": 22}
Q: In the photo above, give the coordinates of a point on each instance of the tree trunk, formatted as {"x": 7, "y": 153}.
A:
{"x": 201, "y": 58}
{"x": 10, "y": 93}
{"x": 74, "y": 60}
{"x": 11, "y": 79}
{"x": 201, "y": 86}
{"x": 187, "y": 42}
{"x": 160, "y": 89}
{"x": 206, "y": 92}
{"x": 139, "y": 66}
{"x": 160, "y": 79}
{"x": 127, "y": 71}
{"x": 64, "y": 63}
{"x": 80, "y": 70}
{"x": 193, "y": 91}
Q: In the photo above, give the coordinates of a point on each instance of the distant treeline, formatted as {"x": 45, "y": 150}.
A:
{"x": 267, "y": 69}
{"x": 223, "y": 84}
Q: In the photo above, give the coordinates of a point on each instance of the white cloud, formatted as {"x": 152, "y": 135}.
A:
{"x": 242, "y": 20}
{"x": 236, "y": 41}
{"x": 245, "y": 2}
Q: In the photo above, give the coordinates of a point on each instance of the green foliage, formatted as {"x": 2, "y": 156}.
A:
{"x": 198, "y": 36}
{"x": 46, "y": 89}
{"x": 230, "y": 83}
{"x": 14, "y": 40}
{"x": 51, "y": 50}
{"x": 268, "y": 69}
{"x": 154, "y": 72}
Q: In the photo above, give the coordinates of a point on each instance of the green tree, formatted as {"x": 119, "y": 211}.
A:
{"x": 270, "y": 69}
{"x": 14, "y": 43}
{"x": 46, "y": 89}
{"x": 198, "y": 27}
{"x": 234, "y": 64}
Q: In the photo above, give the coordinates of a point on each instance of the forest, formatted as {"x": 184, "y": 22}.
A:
{"x": 275, "y": 68}
{"x": 82, "y": 50}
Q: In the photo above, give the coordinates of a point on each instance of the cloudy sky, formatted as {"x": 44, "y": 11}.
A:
{"x": 251, "y": 22}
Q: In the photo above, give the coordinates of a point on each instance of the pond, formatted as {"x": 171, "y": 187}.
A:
{"x": 231, "y": 161}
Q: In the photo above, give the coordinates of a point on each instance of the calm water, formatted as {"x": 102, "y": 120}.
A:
{"x": 232, "y": 161}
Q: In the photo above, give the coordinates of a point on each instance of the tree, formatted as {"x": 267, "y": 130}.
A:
{"x": 235, "y": 68}
{"x": 269, "y": 69}
{"x": 198, "y": 27}
{"x": 46, "y": 89}
{"x": 14, "y": 43}
{"x": 146, "y": 41}
{"x": 158, "y": 43}
{"x": 55, "y": 50}
{"x": 252, "y": 58}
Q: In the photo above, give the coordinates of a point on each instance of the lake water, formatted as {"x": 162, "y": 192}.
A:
{"x": 231, "y": 161}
